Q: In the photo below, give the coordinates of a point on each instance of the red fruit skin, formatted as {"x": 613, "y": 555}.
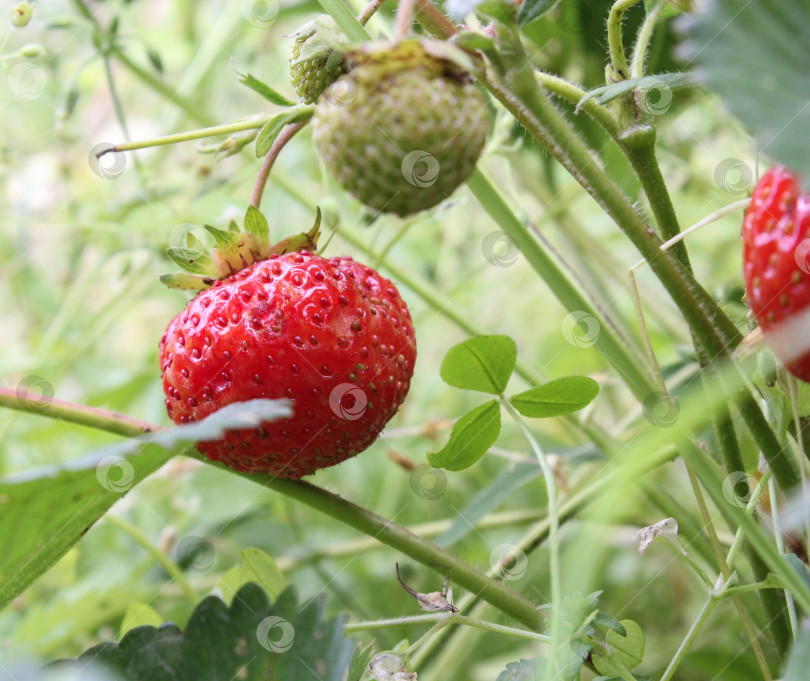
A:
{"x": 776, "y": 262}
{"x": 330, "y": 335}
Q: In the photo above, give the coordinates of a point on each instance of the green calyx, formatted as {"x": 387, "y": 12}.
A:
{"x": 377, "y": 60}
{"x": 317, "y": 58}
{"x": 233, "y": 251}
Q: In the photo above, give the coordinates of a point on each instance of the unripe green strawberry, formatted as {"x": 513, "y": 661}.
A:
{"x": 404, "y": 128}
{"x": 317, "y": 57}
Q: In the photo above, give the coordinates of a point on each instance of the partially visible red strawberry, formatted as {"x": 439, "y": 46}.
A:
{"x": 776, "y": 256}
{"x": 331, "y": 335}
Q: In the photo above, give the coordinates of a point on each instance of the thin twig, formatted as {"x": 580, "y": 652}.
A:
{"x": 285, "y": 136}
{"x": 369, "y": 11}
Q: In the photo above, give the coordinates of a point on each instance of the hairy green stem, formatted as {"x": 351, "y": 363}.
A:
{"x": 100, "y": 419}
{"x": 227, "y": 129}
{"x": 446, "y": 618}
{"x": 385, "y": 531}
{"x": 645, "y": 34}
{"x": 618, "y": 59}
{"x": 284, "y": 136}
{"x": 553, "y": 536}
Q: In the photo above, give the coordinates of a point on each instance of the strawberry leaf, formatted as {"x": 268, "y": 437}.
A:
{"x": 534, "y": 9}
{"x": 755, "y": 56}
{"x": 44, "y": 512}
{"x": 484, "y": 363}
{"x": 556, "y": 398}
{"x": 252, "y": 639}
{"x": 668, "y": 81}
{"x": 625, "y": 650}
{"x": 274, "y": 126}
{"x": 473, "y": 434}
{"x": 264, "y": 90}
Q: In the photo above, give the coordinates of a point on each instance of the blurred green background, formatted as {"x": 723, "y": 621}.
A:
{"x": 82, "y": 245}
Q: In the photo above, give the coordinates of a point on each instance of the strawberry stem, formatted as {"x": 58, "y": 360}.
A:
{"x": 381, "y": 529}
{"x": 229, "y": 128}
{"x": 285, "y": 136}
{"x": 369, "y": 11}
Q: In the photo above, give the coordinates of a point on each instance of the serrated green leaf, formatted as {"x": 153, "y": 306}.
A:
{"x": 45, "y": 511}
{"x": 534, "y": 9}
{"x": 140, "y": 615}
{"x": 602, "y": 619}
{"x": 271, "y": 130}
{"x": 607, "y": 93}
{"x": 195, "y": 263}
{"x": 755, "y": 56}
{"x": 259, "y": 567}
{"x": 628, "y": 650}
{"x": 556, "y": 398}
{"x": 483, "y": 363}
{"x": 264, "y": 90}
{"x": 252, "y": 640}
{"x": 256, "y": 224}
{"x": 473, "y": 434}
{"x": 524, "y": 670}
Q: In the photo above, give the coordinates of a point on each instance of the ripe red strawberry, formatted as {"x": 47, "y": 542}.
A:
{"x": 331, "y": 335}
{"x": 777, "y": 268}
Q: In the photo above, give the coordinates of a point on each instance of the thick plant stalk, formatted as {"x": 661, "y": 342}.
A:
{"x": 344, "y": 511}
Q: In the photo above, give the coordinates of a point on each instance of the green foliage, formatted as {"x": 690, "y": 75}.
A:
{"x": 556, "y": 398}
{"x": 46, "y": 511}
{"x": 754, "y": 55}
{"x": 625, "y": 649}
{"x": 254, "y": 639}
{"x": 473, "y": 434}
{"x": 484, "y": 364}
